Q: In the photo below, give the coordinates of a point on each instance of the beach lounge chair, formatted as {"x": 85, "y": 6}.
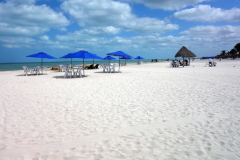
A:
{"x": 87, "y": 65}
{"x": 26, "y": 70}
{"x": 96, "y": 66}
{"x": 91, "y": 66}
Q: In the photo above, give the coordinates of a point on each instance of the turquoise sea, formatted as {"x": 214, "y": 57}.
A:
{"x": 18, "y": 66}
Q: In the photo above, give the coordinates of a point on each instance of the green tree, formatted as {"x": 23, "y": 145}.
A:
{"x": 233, "y": 51}
{"x": 223, "y": 53}
{"x": 237, "y": 48}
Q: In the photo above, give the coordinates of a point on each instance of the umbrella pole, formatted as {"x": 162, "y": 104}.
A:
{"x": 119, "y": 64}
{"x": 93, "y": 61}
{"x": 71, "y": 62}
{"x": 83, "y": 68}
{"x": 42, "y": 65}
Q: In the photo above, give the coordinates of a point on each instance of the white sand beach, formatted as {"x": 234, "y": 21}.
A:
{"x": 147, "y": 112}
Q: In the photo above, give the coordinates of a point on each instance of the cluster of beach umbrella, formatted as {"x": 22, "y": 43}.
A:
{"x": 85, "y": 55}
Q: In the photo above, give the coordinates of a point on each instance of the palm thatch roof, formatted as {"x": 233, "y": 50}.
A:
{"x": 184, "y": 52}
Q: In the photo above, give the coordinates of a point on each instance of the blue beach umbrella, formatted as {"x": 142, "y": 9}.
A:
{"x": 68, "y": 56}
{"x": 41, "y": 55}
{"x": 84, "y": 55}
{"x": 108, "y": 58}
{"x": 96, "y": 58}
{"x": 138, "y": 57}
{"x": 125, "y": 58}
{"x": 119, "y": 54}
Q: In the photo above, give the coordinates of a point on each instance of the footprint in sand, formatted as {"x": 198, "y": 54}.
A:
{"x": 198, "y": 153}
{"x": 222, "y": 143}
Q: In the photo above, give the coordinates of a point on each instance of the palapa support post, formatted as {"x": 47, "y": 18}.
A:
{"x": 183, "y": 61}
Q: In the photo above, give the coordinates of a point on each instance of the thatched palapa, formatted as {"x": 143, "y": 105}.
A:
{"x": 184, "y": 52}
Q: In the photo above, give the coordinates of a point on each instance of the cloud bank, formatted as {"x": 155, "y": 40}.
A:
{"x": 104, "y": 13}
{"x": 206, "y": 13}
{"x": 167, "y": 4}
{"x": 29, "y": 19}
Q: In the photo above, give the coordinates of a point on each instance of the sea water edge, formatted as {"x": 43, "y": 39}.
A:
{"x": 18, "y": 66}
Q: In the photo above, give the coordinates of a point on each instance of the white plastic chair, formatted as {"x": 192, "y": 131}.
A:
{"x": 112, "y": 68}
{"x": 68, "y": 72}
{"x": 37, "y": 70}
{"x": 213, "y": 64}
{"x": 105, "y": 68}
{"x": 60, "y": 68}
{"x": 26, "y": 70}
{"x": 78, "y": 72}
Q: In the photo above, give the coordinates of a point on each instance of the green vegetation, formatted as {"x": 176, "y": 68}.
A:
{"x": 233, "y": 53}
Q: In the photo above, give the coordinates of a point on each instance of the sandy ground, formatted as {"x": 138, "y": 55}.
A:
{"x": 148, "y": 111}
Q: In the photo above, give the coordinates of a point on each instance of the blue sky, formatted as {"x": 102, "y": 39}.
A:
{"x": 149, "y": 28}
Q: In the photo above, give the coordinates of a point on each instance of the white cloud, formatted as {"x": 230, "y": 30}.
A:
{"x": 29, "y": 20}
{"x": 95, "y": 13}
{"x": 20, "y": 40}
{"x": 6, "y": 29}
{"x": 44, "y": 38}
{"x": 62, "y": 29}
{"x": 14, "y": 46}
{"x": 167, "y": 4}
{"x": 205, "y": 13}
{"x": 209, "y": 31}
{"x": 148, "y": 25}
{"x": 90, "y": 32}
{"x": 100, "y": 31}
{"x": 30, "y": 15}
